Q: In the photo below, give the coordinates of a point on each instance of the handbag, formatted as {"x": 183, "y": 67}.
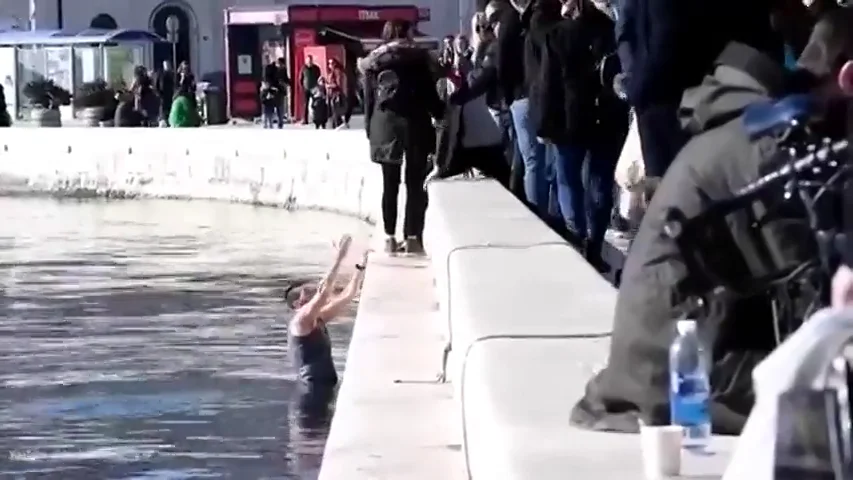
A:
{"x": 630, "y": 170}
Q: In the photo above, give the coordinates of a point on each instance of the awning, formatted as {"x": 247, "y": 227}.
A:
{"x": 84, "y": 37}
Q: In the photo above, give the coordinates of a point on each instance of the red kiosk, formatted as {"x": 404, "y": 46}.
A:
{"x": 256, "y": 36}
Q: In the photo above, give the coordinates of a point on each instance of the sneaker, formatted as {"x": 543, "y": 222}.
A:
{"x": 413, "y": 246}
{"x": 391, "y": 246}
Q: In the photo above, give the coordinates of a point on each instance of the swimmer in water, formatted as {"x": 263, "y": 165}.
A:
{"x": 308, "y": 339}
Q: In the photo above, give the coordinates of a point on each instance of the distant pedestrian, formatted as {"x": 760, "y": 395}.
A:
{"x": 308, "y": 77}
{"x": 271, "y": 98}
{"x": 184, "y": 112}
{"x": 165, "y": 85}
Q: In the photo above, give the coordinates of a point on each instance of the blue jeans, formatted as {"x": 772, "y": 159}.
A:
{"x": 585, "y": 195}
{"x": 536, "y": 187}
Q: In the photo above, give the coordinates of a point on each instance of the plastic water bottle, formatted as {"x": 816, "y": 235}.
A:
{"x": 690, "y": 388}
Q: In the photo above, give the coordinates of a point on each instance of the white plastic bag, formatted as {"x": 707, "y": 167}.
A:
{"x": 630, "y": 170}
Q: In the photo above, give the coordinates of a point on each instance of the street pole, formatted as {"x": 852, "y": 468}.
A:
{"x": 32, "y": 14}
{"x": 172, "y": 27}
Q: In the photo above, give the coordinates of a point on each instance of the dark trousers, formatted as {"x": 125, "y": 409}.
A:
{"x": 415, "y": 169}
{"x": 661, "y": 137}
{"x": 306, "y": 101}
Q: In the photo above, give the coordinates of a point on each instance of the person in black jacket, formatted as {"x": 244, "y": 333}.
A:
{"x": 673, "y": 45}
{"x": 581, "y": 116}
{"x": 536, "y": 18}
{"x": 400, "y": 97}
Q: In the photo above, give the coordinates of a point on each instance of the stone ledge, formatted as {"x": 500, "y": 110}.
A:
{"x": 473, "y": 214}
{"x": 324, "y": 170}
{"x": 517, "y": 394}
{"x": 541, "y": 290}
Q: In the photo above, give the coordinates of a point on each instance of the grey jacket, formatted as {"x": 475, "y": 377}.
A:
{"x": 716, "y": 162}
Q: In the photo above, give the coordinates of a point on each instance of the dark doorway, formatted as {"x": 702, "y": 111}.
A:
{"x": 163, "y": 51}
{"x": 104, "y": 22}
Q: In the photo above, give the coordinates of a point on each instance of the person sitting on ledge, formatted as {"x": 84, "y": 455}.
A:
{"x": 309, "y": 343}
{"x": 720, "y": 159}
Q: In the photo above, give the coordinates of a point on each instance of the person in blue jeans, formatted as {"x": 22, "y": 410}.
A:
{"x": 583, "y": 120}
{"x": 533, "y": 155}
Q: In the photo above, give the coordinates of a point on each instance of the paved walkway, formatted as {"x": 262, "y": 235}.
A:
{"x": 393, "y": 420}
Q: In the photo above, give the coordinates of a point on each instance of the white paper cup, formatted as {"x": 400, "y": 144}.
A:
{"x": 661, "y": 450}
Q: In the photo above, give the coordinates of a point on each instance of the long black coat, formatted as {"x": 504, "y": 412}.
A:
{"x": 399, "y": 122}
{"x": 574, "y": 102}
{"x": 718, "y": 161}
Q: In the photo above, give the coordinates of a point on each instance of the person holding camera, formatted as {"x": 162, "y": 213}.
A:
{"x": 717, "y": 161}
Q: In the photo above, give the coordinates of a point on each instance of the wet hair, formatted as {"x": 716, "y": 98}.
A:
{"x": 295, "y": 291}
{"x": 396, "y": 30}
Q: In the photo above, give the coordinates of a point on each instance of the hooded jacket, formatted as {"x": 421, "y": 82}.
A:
{"x": 400, "y": 96}
{"x": 716, "y": 162}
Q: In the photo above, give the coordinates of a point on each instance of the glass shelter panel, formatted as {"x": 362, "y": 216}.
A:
{"x": 31, "y": 66}
{"x": 120, "y": 62}
{"x": 58, "y": 66}
{"x": 88, "y": 65}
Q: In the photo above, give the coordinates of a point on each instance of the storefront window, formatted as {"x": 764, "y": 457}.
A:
{"x": 121, "y": 60}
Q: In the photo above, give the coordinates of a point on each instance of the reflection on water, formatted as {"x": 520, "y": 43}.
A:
{"x": 143, "y": 340}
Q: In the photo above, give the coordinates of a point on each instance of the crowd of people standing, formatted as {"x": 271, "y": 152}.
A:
{"x": 328, "y": 96}
{"x": 165, "y": 97}
{"x": 545, "y": 95}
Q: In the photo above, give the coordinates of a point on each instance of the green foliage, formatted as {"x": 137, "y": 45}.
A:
{"x": 45, "y": 93}
{"x": 94, "y": 94}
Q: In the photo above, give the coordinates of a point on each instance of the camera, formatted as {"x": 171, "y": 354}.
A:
{"x": 790, "y": 236}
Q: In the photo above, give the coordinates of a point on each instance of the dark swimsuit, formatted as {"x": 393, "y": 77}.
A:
{"x": 312, "y": 356}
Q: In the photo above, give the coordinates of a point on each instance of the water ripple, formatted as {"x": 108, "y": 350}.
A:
{"x": 147, "y": 340}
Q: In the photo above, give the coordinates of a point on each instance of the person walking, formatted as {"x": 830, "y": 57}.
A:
{"x": 336, "y": 86}
{"x": 308, "y": 77}
{"x": 400, "y": 97}
{"x": 164, "y": 84}
{"x": 271, "y": 98}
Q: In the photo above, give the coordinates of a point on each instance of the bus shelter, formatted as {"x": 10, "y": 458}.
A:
{"x": 70, "y": 59}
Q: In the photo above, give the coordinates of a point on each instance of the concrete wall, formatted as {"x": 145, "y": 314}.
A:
{"x": 527, "y": 322}
{"x": 287, "y": 168}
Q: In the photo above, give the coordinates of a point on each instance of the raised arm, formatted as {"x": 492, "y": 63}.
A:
{"x": 311, "y": 310}
{"x": 338, "y": 303}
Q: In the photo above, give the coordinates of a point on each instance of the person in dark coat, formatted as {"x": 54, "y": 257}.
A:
{"x": 582, "y": 117}
{"x": 718, "y": 161}
{"x": 674, "y": 45}
{"x": 165, "y": 85}
{"x": 308, "y": 77}
{"x": 400, "y": 97}
{"x": 145, "y": 98}
{"x": 126, "y": 114}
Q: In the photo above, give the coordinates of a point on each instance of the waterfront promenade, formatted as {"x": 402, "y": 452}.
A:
{"x": 525, "y": 317}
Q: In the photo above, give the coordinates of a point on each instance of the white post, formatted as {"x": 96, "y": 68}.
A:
{"x": 32, "y": 14}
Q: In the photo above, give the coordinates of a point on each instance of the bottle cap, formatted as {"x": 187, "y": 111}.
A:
{"x": 684, "y": 326}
